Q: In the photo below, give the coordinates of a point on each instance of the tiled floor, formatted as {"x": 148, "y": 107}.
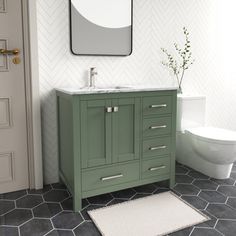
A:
{"x": 49, "y": 211}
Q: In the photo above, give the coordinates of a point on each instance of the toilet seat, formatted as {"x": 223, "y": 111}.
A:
{"x": 213, "y": 135}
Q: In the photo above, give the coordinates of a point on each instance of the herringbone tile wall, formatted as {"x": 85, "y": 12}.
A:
{"x": 157, "y": 23}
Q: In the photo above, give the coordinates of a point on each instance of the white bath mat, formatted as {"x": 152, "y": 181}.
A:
{"x": 154, "y": 215}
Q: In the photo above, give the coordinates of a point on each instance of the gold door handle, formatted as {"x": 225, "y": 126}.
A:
{"x": 15, "y": 52}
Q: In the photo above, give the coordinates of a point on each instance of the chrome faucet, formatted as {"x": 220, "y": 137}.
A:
{"x": 92, "y": 76}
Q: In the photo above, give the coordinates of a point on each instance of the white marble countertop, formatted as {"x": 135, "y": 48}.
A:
{"x": 112, "y": 89}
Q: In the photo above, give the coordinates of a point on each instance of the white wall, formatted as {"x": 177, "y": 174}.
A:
{"x": 157, "y": 23}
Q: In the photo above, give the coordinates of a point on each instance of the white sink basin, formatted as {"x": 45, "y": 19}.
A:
{"x": 112, "y": 88}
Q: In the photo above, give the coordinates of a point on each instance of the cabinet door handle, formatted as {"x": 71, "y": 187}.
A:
{"x": 115, "y": 109}
{"x": 109, "y": 109}
{"x": 158, "y": 127}
{"x": 111, "y": 177}
{"x": 157, "y": 168}
{"x": 157, "y": 148}
{"x": 158, "y": 106}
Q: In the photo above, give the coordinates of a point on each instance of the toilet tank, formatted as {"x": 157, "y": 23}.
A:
{"x": 190, "y": 111}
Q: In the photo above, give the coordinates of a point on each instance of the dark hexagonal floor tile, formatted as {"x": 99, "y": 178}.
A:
{"x": 67, "y": 204}
{"x": 67, "y": 220}
{"x": 116, "y": 201}
{"x": 233, "y": 175}
{"x": 221, "y": 211}
{"x": 183, "y": 179}
{"x": 186, "y": 189}
{"x": 124, "y": 194}
{"x": 205, "y": 184}
{"x": 56, "y": 195}
{"x": 226, "y": 227}
{"x": 14, "y": 195}
{"x": 85, "y": 203}
{"x": 100, "y": 199}
{"x": 212, "y": 196}
{"x": 59, "y": 186}
{"x": 229, "y": 191}
{"x": 183, "y": 232}
{"x": 141, "y": 195}
{"x": 148, "y": 188}
{"x": 162, "y": 184}
{"x": 210, "y": 223}
{"x": 8, "y": 231}
{"x": 234, "y": 168}
{"x": 197, "y": 175}
{"x": 176, "y": 193}
{"x": 84, "y": 212}
{"x": 35, "y": 227}
{"x": 181, "y": 170}
{"x": 61, "y": 233}
{"x": 29, "y": 201}
{"x": 232, "y": 202}
{"x": 205, "y": 232}
{"x": 228, "y": 181}
{"x": 87, "y": 229}
{"x": 16, "y": 217}
{"x": 161, "y": 190}
{"x": 47, "y": 210}
{"x": 6, "y": 206}
{"x": 45, "y": 189}
{"x": 195, "y": 201}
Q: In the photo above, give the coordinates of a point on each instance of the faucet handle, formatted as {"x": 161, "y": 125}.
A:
{"x": 93, "y": 71}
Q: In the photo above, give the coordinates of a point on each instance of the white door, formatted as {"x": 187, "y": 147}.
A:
{"x": 14, "y": 173}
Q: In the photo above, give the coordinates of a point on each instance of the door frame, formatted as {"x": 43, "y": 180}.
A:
{"x": 32, "y": 96}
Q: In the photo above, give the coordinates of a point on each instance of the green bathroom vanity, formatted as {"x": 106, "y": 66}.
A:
{"x": 115, "y": 139}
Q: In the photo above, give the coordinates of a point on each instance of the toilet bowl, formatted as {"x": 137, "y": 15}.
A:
{"x": 209, "y": 150}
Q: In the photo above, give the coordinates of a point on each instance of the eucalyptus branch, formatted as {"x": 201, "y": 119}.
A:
{"x": 186, "y": 61}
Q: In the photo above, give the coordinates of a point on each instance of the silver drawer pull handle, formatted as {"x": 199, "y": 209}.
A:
{"x": 157, "y": 168}
{"x": 115, "y": 109}
{"x": 157, "y": 148}
{"x": 109, "y": 109}
{"x": 158, "y": 106}
{"x": 112, "y": 177}
{"x": 158, "y": 127}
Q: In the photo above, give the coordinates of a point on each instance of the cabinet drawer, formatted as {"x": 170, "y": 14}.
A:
{"x": 105, "y": 177}
{"x": 155, "y": 167}
{"x": 156, "y": 126}
{"x": 157, "y": 146}
{"x": 157, "y": 105}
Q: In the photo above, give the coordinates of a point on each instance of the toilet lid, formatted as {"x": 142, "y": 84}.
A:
{"x": 213, "y": 134}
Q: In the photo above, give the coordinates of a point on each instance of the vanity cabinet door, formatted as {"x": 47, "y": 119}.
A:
{"x": 125, "y": 129}
{"x": 96, "y": 124}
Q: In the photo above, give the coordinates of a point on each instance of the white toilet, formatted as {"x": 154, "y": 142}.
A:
{"x": 209, "y": 150}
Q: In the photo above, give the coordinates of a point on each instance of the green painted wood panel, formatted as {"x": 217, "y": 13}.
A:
{"x": 125, "y": 129}
{"x": 156, "y": 126}
{"x": 77, "y": 193}
{"x": 94, "y": 144}
{"x": 65, "y": 139}
{"x": 156, "y": 166}
{"x": 118, "y": 174}
{"x": 95, "y": 133}
{"x": 160, "y": 146}
{"x": 161, "y": 105}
